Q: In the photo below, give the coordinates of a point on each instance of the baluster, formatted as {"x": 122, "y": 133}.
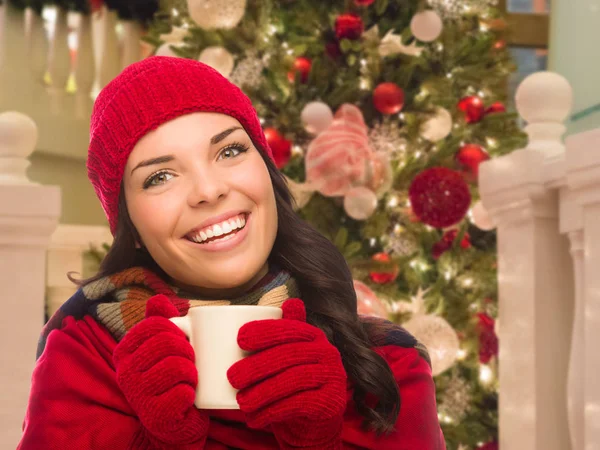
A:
{"x": 84, "y": 67}
{"x": 107, "y": 57}
{"x": 132, "y": 49}
{"x": 13, "y": 65}
{"x": 37, "y": 45}
{"x": 59, "y": 61}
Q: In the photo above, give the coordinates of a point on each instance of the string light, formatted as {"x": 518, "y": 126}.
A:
{"x": 364, "y": 84}
{"x": 272, "y": 29}
{"x": 363, "y": 62}
{"x": 393, "y": 202}
{"x": 174, "y": 12}
{"x": 485, "y": 374}
{"x": 491, "y": 142}
{"x": 467, "y": 282}
{"x": 461, "y": 354}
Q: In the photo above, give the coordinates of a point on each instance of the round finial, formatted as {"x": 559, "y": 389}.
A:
{"x": 544, "y": 97}
{"x": 18, "y": 135}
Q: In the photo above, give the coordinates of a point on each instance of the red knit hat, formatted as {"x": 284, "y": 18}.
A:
{"x": 145, "y": 95}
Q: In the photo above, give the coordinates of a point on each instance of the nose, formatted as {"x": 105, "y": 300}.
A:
{"x": 207, "y": 186}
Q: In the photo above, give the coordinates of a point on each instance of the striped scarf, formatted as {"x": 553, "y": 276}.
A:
{"x": 119, "y": 301}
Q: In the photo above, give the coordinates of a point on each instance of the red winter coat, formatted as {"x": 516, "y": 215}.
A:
{"x": 75, "y": 402}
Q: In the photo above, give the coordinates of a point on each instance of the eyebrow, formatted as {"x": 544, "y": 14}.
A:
{"x": 167, "y": 158}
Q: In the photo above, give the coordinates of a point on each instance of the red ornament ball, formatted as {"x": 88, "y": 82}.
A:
{"x": 363, "y": 2}
{"x": 302, "y": 66}
{"x": 349, "y": 26}
{"x": 445, "y": 244}
{"x": 469, "y": 156}
{"x": 473, "y": 108}
{"x": 497, "y": 107}
{"x": 388, "y": 98}
{"x": 439, "y": 197}
{"x": 281, "y": 147}
{"x": 383, "y": 277}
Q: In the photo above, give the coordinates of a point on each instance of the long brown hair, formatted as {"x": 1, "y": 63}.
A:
{"x": 326, "y": 284}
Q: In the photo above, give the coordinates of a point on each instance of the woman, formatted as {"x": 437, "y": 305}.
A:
{"x": 201, "y": 215}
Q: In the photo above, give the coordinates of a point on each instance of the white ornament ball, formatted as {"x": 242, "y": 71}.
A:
{"x": 480, "y": 217}
{"x": 437, "y": 127}
{"x": 426, "y": 26}
{"x": 214, "y": 14}
{"x": 165, "y": 50}
{"x": 544, "y": 97}
{"x": 360, "y": 203}
{"x": 219, "y": 59}
{"x": 316, "y": 117}
{"x": 438, "y": 337}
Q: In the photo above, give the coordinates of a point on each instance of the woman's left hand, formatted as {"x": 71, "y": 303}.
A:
{"x": 294, "y": 380}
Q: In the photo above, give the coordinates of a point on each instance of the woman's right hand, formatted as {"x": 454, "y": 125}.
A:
{"x": 156, "y": 371}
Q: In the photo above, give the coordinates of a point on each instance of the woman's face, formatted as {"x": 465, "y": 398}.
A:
{"x": 199, "y": 194}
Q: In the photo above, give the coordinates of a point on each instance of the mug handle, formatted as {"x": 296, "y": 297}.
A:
{"x": 184, "y": 324}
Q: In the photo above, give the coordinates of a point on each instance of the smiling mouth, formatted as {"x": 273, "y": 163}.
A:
{"x": 220, "y": 232}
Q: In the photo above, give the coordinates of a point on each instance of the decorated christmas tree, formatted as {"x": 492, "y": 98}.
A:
{"x": 379, "y": 112}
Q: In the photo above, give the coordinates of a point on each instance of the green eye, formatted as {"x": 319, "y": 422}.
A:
{"x": 157, "y": 179}
{"x": 233, "y": 150}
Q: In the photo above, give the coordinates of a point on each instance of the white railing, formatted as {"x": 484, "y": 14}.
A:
{"x": 545, "y": 200}
{"x": 51, "y": 69}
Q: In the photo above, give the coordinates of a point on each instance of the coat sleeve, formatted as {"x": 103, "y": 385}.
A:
{"x": 417, "y": 427}
{"x": 75, "y": 401}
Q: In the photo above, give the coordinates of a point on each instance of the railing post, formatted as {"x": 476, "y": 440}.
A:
{"x": 583, "y": 203}
{"x": 534, "y": 273}
{"x": 28, "y": 215}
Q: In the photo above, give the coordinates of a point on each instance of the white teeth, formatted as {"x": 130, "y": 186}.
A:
{"x": 223, "y": 228}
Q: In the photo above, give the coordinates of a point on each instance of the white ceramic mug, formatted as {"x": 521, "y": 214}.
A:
{"x": 213, "y": 331}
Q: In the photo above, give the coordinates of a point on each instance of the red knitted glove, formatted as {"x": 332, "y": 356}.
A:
{"x": 296, "y": 381}
{"x": 157, "y": 373}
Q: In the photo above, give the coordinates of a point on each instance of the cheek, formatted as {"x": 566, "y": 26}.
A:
{"x": 153, "y": 216}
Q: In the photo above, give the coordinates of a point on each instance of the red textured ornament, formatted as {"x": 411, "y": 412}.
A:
{"x": 473, "y": 108}
{"x": 302, "y": 66}
{"x": 349, "y": 26}
{"x": 489, "y": 446}
{"x": 363, "y": 2}
{"x": 445, "y": 244}
{"x": 469, "y": 156}
{"x": 388, "y": 98}
{"x": 333, "y": 50}
{"x": 383, "y": 277}
{"x": 280, "y": 146}
{"x": 497, "y": 107}
{"x": 95, "y": 5}
{"x": 439, "y": 197}
{"x": 488, "y": 341}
